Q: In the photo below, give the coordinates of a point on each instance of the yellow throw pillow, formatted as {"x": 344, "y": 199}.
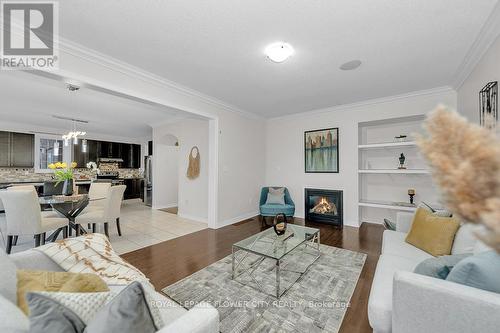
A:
{"x": 431, "y": 233}
{"x": 28, "y": 281}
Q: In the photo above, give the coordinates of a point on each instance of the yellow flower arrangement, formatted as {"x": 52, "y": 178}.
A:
{"x": 61, "y": 171}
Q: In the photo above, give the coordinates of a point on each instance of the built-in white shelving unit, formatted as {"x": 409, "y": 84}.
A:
{"x": 388, "y": 205}
{"x": 388, "y": 145}
{"x": 396, "y": 171}
{"x": 383, "y": 188}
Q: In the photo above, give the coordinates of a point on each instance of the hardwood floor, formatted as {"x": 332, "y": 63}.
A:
{"x": 173, "y": 260}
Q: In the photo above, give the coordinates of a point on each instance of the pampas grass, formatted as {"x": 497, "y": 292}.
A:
{"x": 465, "y": 162}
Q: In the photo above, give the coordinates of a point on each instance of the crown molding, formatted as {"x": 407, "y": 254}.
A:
{"x": 488, "y": 34}
{"x": 137, "y": 73}
{"x": 369, "y": 102}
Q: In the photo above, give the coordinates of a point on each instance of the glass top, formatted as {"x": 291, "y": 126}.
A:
{"x": 268, "y": 244}
{"x": 58, "y": 199}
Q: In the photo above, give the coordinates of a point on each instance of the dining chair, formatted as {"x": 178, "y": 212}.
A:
{"x": 110, "y": 212}
{"x": 24, "y": 217}
{"x": 45, "y": 213}
{"x": 96, "y": 192}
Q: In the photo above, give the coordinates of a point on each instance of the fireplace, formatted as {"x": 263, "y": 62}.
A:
{"x": 324, "y": 206}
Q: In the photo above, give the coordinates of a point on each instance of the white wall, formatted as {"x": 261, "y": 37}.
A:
{"x": 165, "y": 176}
{"x": 285, "y": 146}
{"x": 192, "y": 193}
{"x": 487, "y": 70}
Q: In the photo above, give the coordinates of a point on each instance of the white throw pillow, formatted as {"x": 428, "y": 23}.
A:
{"x": 12, "y": 319}
{"x": 465, "y": 240}
{"x": 276, "y": 196}
{"x": 480, "y": 247}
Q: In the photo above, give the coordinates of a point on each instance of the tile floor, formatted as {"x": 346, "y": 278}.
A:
{"x": 141, "y": 226}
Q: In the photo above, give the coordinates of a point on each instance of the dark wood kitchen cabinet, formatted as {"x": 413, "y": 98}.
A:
{"x": 129, "y": 153}
{"x": 17, "y": 150}
{"x": 134, "y": 188}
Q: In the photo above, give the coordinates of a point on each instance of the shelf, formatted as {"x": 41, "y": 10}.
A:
{"x": 388, "y": 145}
{"x": 387, "y": 205}
{"x": 396, "y": 171}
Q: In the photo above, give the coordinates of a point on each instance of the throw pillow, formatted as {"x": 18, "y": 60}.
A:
{"x": 480, "y": 271}
{"x": 437, "y": 212}
{"x": 389, "y": 225}
{"x": 480, "y": 247}
{"x": 127, "y": 312}
{"x": 276, "y": 196}
{"x": 439, "y": 267}
{"x": 84, "y": 305}
{"x": 55, "y": 281}
{"x": 465, "y": 240}
{"x": 432, "y": 234}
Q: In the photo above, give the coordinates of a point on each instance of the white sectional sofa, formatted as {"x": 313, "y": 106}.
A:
{"x": 202, "y": 318}
{"x": 404, "y": 302}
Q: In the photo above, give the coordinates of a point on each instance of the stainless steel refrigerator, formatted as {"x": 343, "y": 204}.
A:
{"x": 148, "y": 180}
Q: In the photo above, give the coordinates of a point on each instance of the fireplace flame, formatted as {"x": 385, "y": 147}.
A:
{"x": 324, "y": 207}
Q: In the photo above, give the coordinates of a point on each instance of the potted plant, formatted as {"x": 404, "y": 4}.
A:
{"x": 63, "y": 173}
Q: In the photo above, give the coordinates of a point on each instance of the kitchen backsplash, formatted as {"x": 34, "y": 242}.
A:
{"x": 28, "y": 174}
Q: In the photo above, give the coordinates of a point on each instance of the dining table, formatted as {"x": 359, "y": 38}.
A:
{"x": 69, "y": 206}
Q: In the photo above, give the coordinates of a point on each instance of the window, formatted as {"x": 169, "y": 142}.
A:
{"x": 45, "y": 153}
{"x": 48, "y": 154}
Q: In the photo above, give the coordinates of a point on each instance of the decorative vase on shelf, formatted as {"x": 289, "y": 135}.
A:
{"x": 402, "y": 160}
{"x": 67, "y": 187}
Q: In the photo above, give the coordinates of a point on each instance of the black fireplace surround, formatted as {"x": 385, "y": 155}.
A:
{"x": 324, "y": 206}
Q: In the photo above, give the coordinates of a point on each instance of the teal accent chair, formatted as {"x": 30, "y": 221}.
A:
{"x": 267, "y": 210}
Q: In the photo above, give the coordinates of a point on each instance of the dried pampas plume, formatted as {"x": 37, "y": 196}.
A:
{"x": 193, "y": 170}
{"x": 465, "y": 162}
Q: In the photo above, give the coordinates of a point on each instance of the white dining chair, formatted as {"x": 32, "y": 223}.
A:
{"x": 97, "y": 195}
{"x": 45, "y": 213}
{"x": 110, "y": 212}
{"x": 98, "y": 191}
{"x": 24, "y": 217}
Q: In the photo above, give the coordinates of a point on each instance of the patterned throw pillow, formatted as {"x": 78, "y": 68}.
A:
{"x": 28, "y": 281}
{"x": 128, "y": 311}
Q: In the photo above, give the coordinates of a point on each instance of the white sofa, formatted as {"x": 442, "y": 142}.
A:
{"x": 404, "y": 302}
{"x": 202, "y": 318}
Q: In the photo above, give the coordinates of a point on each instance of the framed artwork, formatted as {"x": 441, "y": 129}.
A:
{"x": 321, "y": 151}
{"x": 488, "y": 105}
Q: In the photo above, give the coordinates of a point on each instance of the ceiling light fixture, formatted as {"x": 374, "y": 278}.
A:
{"x": 279, "y": 51}
{"x": 350, "y": 65}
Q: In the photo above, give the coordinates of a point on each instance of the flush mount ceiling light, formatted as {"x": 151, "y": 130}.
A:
{"x": 350, "y": 65}
{"x": 279, "y": 51}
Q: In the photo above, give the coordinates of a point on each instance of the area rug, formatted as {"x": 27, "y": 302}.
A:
{"x": 317, "y": 302}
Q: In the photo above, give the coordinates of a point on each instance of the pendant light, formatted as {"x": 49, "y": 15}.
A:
{"x": 56, "y": 148}
{"x": 84, "y": 145}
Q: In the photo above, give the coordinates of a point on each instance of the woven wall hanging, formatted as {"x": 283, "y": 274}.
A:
{"x": 193, "y": 170}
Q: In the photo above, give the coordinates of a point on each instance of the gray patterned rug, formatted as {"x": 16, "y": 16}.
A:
{"x": 317, "y": 302}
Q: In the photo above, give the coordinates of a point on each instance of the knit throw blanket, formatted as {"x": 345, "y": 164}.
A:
{"x": 92, "y": 253}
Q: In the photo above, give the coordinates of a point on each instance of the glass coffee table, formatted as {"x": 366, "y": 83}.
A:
{"x": 268, "y": 245}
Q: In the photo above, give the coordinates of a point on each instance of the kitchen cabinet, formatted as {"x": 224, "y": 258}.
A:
{"x": 129, "y": 153}
{"x": 17, "y": 150}
{"x": 134, "y": 188}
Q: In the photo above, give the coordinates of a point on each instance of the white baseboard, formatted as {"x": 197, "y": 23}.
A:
{"x": 171, "y": 205}
{"x": 237, "y": 219}
{"x": 193, "y": 218}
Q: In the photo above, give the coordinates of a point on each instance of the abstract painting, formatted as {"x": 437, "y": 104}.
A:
{"x": 321, "y": 151}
